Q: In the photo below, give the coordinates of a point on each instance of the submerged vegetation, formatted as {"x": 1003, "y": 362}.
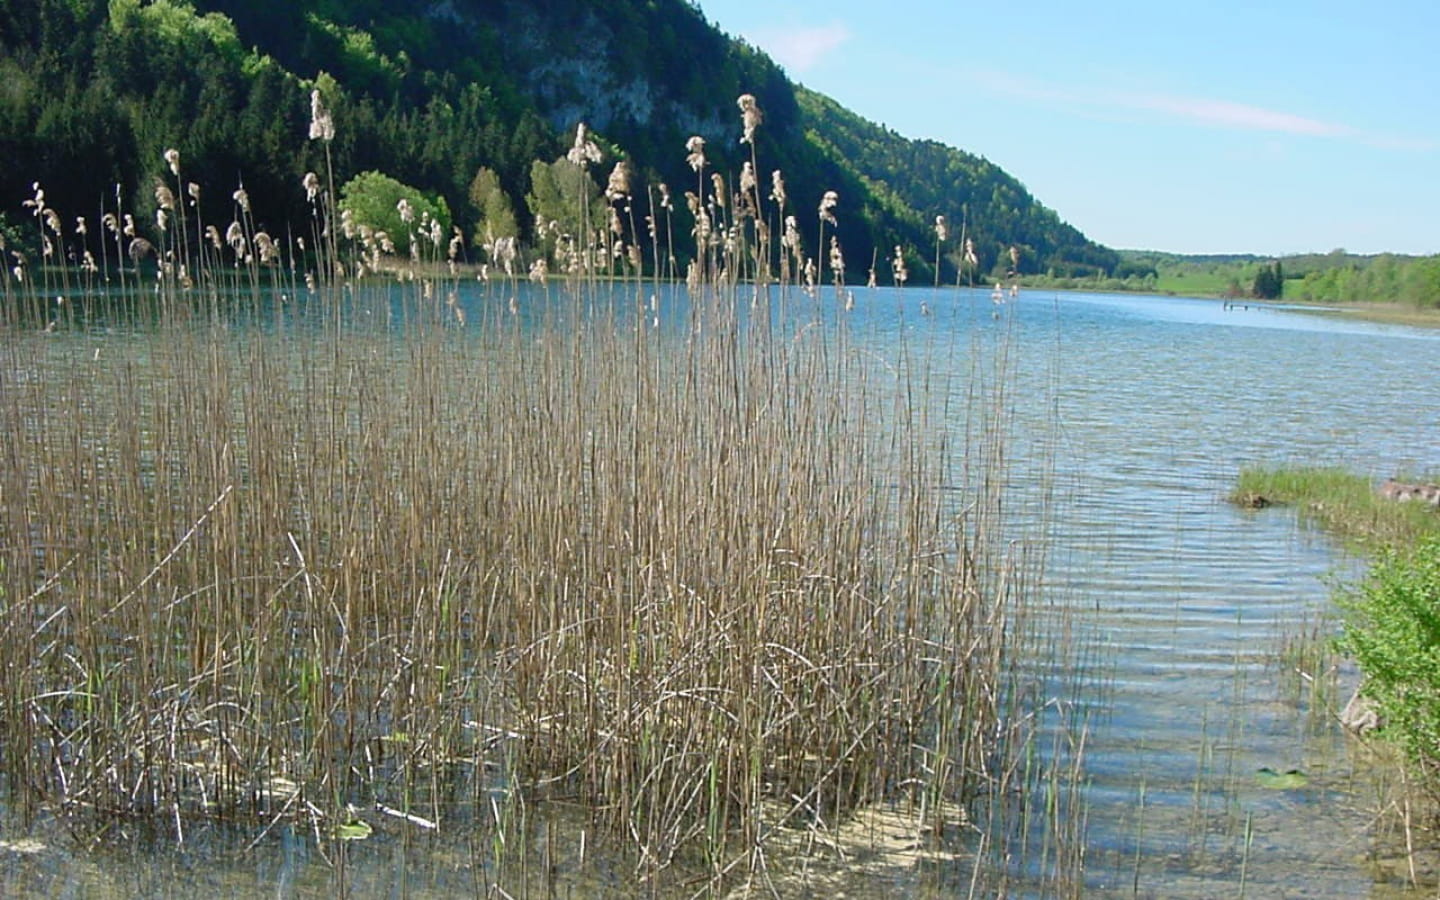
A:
{"x": 1389, "y": 620}
{"x": 317, "y": 529}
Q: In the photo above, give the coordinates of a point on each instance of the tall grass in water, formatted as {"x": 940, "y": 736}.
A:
{"x": 1344, "y": 503}
{"x": 711, "y": 581}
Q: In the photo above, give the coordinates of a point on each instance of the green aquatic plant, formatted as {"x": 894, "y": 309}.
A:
{"x": 1288, "y": 780}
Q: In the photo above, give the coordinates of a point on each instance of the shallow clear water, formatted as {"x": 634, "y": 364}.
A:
{"x": 1159, "y": 403}
{"x": 1133, "y": 416}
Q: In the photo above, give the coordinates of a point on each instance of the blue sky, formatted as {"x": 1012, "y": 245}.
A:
{"x": 1259, "y": 127}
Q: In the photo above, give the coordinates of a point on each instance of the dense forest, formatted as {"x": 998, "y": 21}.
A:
{"x": 470, "y": 104}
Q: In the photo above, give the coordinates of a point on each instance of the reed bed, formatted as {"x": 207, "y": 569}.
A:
{"x": 693, "y": 560}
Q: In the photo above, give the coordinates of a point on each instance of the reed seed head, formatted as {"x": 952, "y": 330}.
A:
{"x": 897, "y": 265}
{"x": 503, "y": 253}
{"x": 37, "y": 202}
{"x": 702, "y": 219}
{"x": 695, "y": 152}
{"x": 827, "y": 207}
{"x": 747, "y": 178}
{"x": 942, "y": 230}
{"x": 311, "y": 183}
{"x": 322, "y": 126}
{"x": 265, "y": 246}
{"x": 750, "y": 117}
{"x": 583, "y": 152}
{"x": 618, "y": 187}
{"x": 172, "y": 159}
{"x": 790, "y": 237}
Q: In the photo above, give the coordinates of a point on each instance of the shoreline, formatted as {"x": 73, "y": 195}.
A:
{"x": 1381, "y": 313}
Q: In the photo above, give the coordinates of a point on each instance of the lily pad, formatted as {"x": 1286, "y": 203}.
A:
{"x": 1281, "y": 781}
{"x": 353, "y": 830}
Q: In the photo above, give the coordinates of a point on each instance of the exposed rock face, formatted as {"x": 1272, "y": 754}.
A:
{"x": 573, "y": 72}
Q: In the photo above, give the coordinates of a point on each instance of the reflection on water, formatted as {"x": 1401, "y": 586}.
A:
{"x": 1133, "y": 417}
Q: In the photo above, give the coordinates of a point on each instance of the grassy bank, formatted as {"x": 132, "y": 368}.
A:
{"x": 1383, "y": 313}
{"x": 1340, "y": 502}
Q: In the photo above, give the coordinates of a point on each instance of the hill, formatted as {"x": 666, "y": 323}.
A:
{"x": 431, "y": 91}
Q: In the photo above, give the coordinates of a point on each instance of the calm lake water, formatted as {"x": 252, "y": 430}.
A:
{"x": 1133, "y": 416}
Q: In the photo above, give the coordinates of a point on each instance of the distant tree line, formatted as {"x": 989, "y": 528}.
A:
{"x": 1333, "y": 277}
{"x": 1385, "y": 278}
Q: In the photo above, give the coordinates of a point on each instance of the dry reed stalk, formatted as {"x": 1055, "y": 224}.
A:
{"x": 711, "y": 581}
{"x": 682, "y": 592}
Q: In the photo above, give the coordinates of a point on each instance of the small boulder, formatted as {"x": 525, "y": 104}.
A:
{"x": 1391, "y": 489}
{"x": 1360, "y": 714}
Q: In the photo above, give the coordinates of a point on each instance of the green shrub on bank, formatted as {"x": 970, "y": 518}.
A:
{"x": 1392, "y": 629}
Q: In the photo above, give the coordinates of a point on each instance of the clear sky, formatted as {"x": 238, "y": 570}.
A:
{"x": 1270, "y": 126}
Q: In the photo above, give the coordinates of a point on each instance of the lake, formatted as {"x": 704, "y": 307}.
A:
{"x": 1130, "y": 418}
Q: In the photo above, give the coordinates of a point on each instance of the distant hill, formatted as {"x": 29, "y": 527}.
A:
{"x": 92, "y": 92}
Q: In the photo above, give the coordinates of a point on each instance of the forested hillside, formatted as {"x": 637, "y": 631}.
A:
{"x": 432, "y": 92}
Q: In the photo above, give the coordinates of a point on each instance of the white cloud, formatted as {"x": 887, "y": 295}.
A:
{"x": 802, "y": 48}
{"x": 1232, "y": 115}
{"x": 1198, "y": 111}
